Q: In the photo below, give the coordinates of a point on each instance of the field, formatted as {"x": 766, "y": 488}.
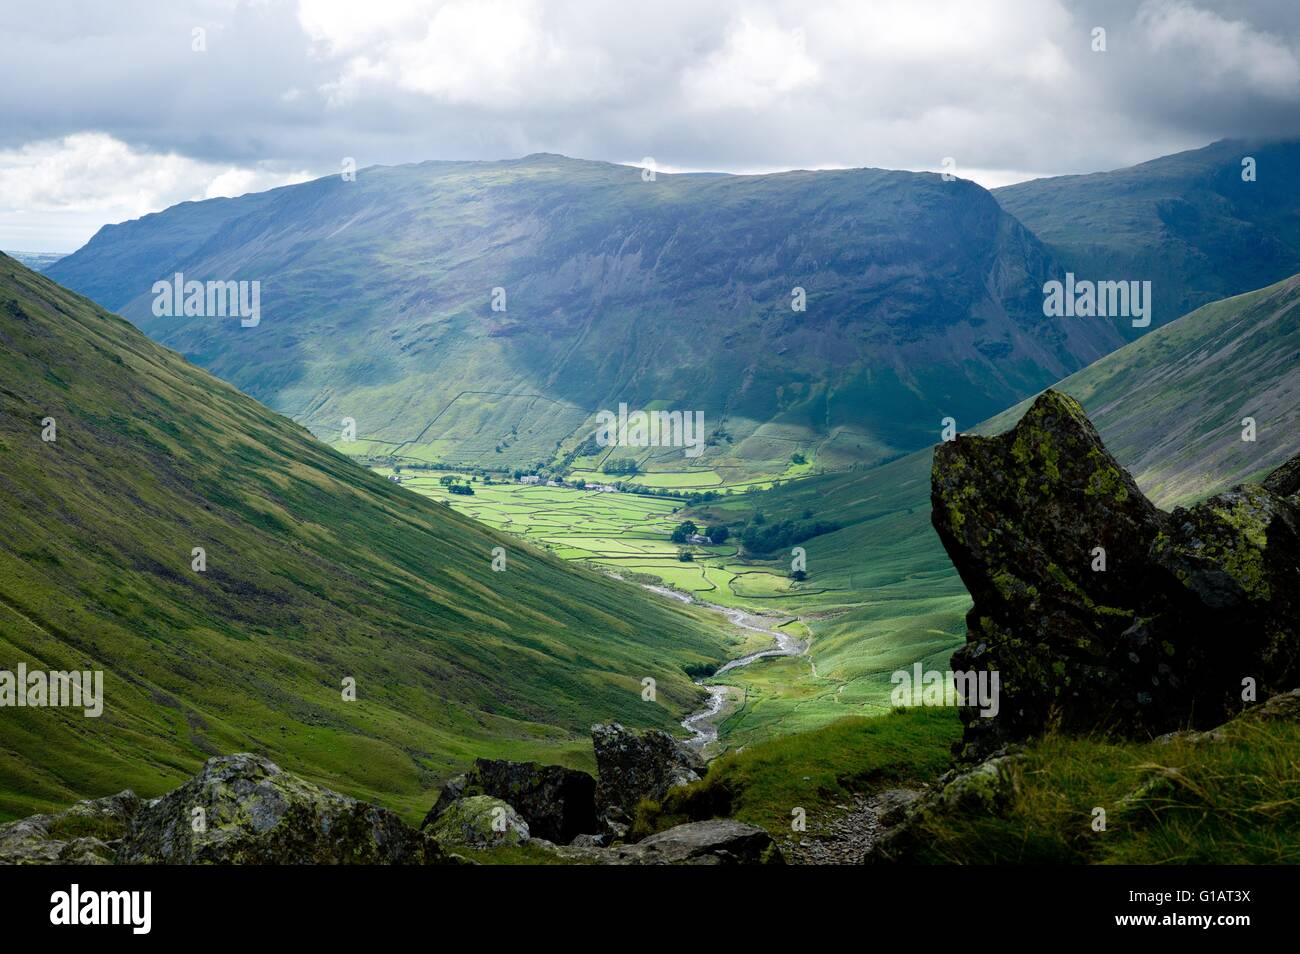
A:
{"x": 880, "y": 592}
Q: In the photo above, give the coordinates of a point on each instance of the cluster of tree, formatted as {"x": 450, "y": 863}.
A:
{"x": 620, "y": 465}
{"x": 688, "y": 528}
{"x": 683, "y": 531}
{"x": 454, "y": 485}
{"x": 700, "y": 670}
{"x": 759, "y": 536}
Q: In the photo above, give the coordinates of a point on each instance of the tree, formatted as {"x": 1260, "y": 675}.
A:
{"x": 798, "y": 458}
{"x": 686, "y": 556}
{"x": 718, "y": 534}
{"x": 683, "y": 531}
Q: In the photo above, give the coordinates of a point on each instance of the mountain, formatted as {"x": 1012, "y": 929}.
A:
{"x": 881, "y": 592}
{"x": 315, "y": 571}
{"x": 1189, "y": 223}
{"x": 922, "y": 297}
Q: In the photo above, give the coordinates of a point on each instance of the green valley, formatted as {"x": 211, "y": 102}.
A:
{"x": 313, "y": 575}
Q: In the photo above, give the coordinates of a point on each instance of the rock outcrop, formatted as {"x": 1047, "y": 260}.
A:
{"x": 558, "y": 803}
{"x": 88, "y": 833}
{"x": 239, "y": 809}
{"x": 631, "y": 766}
{"x": 242, "y": 809}
{"x": 1097, "y": 609}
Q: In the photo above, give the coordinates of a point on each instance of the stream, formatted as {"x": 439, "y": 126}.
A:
{"x": 701, "y": 725}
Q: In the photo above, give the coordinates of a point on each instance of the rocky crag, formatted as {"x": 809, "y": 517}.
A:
{"x": 243, "y": 809}
{"x": 1099, "y": 611}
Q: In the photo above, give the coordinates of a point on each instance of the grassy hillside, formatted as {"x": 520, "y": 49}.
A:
{"x": 316, "y": 570}
{"x": 377, "y": 301}
{"x": 1230, "y": 801}
{"x": 1188, "y": 223}
{"x": 882, "y": 593}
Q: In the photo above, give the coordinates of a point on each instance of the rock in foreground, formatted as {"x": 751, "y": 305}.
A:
{"x": 242, "y": 809}
{"x": 632, "y": 766}
{"x": 1097, "y": 609}
{"x": 720, "y": 841}
{"x": 558, "y": 803}
{"x": 88, "y": 833}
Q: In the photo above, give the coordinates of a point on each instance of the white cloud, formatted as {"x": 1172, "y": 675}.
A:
{"x": 497, "y": 53}
{"x": 1009, "y": 88}
{"x": 756, "y": 66}
{"x": 60, "y": 191}
{"x": 1229, "y": 52}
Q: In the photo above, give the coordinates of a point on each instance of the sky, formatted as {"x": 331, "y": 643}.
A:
{"x": 109, "y": 111}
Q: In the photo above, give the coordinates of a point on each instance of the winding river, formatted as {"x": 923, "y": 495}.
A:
{"x": 702, "y": 724}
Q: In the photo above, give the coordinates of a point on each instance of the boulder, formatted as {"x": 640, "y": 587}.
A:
{"x": 558, "y": 803}
{"x": 242, "y": 809}
{"x": 720, "y": 841}
{"x": 478, "y": 821}
{"x": 1188, "y": 605}
{"x": 634, "y": 765}
{"x": 88, "y": 833}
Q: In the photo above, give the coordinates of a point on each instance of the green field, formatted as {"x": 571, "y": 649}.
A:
{"x": 880, "y": 593}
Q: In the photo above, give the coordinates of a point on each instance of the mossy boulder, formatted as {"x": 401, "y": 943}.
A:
{"x": 242, "y": 809}
{"x": 478, "y": 821}
{"x": 558, "y": 803}
{"x": 88, "y": 833}
{"x": 1097, "y": 609}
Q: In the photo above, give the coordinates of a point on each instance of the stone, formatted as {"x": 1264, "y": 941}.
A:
{"x": 253, "y": 813}
{"x": 88, "y": 833}
{"x": 632, "y": 766}
{"x": 478, "y": 821}
{"x": 720, "y": 841}
{"x": 1188, "y": 605}
{"x": 558, "y": 803}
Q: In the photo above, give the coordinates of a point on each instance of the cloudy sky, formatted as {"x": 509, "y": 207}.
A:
{"x": 108, "y": 111}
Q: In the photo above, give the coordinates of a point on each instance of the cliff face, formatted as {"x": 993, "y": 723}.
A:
{"x": 1097, "y": 609}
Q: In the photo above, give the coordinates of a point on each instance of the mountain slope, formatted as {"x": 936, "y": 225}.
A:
{"x": 882, "y": 593}
{"x": 1188, "y": 222}
{"x": 316, "y": 571}
{"x": 377, "y": 301}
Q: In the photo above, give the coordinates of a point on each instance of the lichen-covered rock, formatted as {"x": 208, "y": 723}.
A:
{"x": 478, "y": 821}
{"x": 1098, "y": 610}
{"x": 634, "y": 765}
{"x": 242, "y": 809}
{"x": 558, "y": 803}
{"x": 88, "y": 833}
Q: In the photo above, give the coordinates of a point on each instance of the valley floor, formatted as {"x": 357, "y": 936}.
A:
{"x": 858, "y": 634}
